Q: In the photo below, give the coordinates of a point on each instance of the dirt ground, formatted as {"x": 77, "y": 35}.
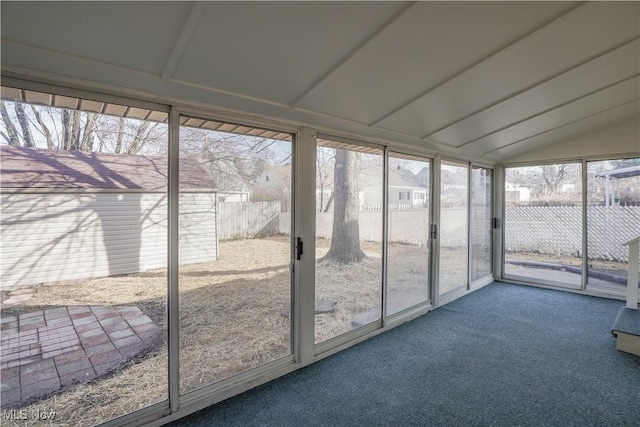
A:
{"x": 233, "y": 316}
{"x": 601, "y": 265}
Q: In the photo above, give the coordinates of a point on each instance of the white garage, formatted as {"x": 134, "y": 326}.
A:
{"x": 73, "y": 215}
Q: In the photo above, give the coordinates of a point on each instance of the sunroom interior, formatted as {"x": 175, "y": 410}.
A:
{"x": 201, "y": 197}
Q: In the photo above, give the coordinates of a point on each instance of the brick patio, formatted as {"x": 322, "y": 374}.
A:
{"x": 48, "y": 350}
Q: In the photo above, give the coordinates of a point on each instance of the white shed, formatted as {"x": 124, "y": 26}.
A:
{"x": 74, "y": 215}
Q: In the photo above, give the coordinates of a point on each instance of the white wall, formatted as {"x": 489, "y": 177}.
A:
{"x": 613, "y": 141}
{"x": 50, "y": 237}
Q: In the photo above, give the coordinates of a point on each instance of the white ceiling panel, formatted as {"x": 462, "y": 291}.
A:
{"x": 581, "y": 35}
{"x": 606, "y": 99}
{"x": 134, "y": 35}
{"x": 430, "y": 43}
{"x": 588, "y": 124}
{"x": 276, "y": 50}
{"x": 461, "y": 78}
{"x": 618, "y": 65}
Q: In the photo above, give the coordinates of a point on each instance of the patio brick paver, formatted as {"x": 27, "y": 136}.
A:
{"x": 46, "y": 350}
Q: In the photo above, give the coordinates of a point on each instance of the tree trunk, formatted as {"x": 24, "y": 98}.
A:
{"x": 328, "y": 206}
{"x": 118, "y": 148}
{"x": 345, "y": 240}
{"x": 88, "y": 133}
{"x": 24, "y": 124}
{"x": 45, "y": 130}
{"x": 12, "y": 137}
{"x": 140, "y": 138}
{"x": 76, "y": 130}
{"x": 67, "y": 130}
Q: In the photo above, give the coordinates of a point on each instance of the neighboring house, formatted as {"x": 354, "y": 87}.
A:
{"x": 74, "y": 215}
{"x": 230, "y": 185}
{"x": 405, "y": 188}
{"x": 274, "y": 183}
{"x": 423, "y": 176}
{"x": 516, "y": 193}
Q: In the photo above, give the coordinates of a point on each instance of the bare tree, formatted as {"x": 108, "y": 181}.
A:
{"x": 24, "y": 124}
{"x": 44, "y": 129}
{"x": 345, "y": 241}
{"x": 11, "y": 135}
{"x": 64, "y": 129}
{"x": 324, "y": 177}
{"x": 553, "y": 176}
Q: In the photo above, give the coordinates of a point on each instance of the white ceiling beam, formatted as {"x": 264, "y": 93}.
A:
{"x": 613, "y": 66}
{"x": 595, "y": 124}
{"x": 350, "y": 55}
{"x": 603, "y": 100}
{"x": 188, "y": 29}
{"x": 376, "y": 122}
{"x": 543, "y": 112}
{"x": 565, "y": 125}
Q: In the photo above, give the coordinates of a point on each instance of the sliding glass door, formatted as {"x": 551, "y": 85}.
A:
{"x": 84, "y": 258}
{"x": 454, "y": 214}
{"x": 409, "y": 242}
{"x": 613, "y": 218}
{"x": 349, "y": 204}
{"x": 543, "y": 224}
{"x": 234, "y": 249}
{"x": 480, "y": 227}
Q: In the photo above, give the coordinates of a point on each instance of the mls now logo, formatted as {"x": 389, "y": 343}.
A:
{"x": 15, "y": 415}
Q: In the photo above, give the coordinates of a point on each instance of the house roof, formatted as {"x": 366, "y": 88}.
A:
{"x": 226, "y": 175}
{"x": 621, "y": 173}
{"x": 403, "y": 178}
{"x": 60, "y": 169}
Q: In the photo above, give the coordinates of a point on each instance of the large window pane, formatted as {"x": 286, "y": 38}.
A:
{"x": 453, "y": 226}
{"x": 480, "y": 223}
{"x": 84, "y": 249}
{"x": 543, "y": 223}
{"x": 409, "y": 243}
{"x": 349, "y": 238}
{"x": 235, "y": 249}
{"x": 613, "y": 218}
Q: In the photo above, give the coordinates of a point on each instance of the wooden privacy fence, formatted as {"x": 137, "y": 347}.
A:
{"x": 238, "y": 220}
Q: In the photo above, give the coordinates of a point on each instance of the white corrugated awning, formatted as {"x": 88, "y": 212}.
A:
{"x": 60, "y": 101}
{"x": 620, "y": 173}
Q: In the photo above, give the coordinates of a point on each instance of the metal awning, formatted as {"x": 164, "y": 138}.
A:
{"x": 72, "y": 103}
{"x": 620, "y": 173}
{"x": 611, "y": 195}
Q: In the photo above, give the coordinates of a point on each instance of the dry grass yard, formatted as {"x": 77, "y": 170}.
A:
{"x": 233, "y": 316}
{"x": 566, "y": 260}
{"x": 607, "y": 266}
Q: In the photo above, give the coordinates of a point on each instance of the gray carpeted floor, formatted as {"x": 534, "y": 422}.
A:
{"x": 505, "y": 355}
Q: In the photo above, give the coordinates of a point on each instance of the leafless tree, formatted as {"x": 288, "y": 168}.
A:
{"x": 325, "y": 159}
{"x": 37, "y": 126}
{"x": 345, "y": 240}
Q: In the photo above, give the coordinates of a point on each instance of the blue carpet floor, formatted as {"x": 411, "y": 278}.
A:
{"x": 505, "y": 355}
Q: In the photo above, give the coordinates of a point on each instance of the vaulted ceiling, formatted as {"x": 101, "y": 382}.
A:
{"x": 486, "y": 80}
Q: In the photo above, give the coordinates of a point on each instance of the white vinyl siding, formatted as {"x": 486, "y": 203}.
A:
{"x": 48, "y": 237}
